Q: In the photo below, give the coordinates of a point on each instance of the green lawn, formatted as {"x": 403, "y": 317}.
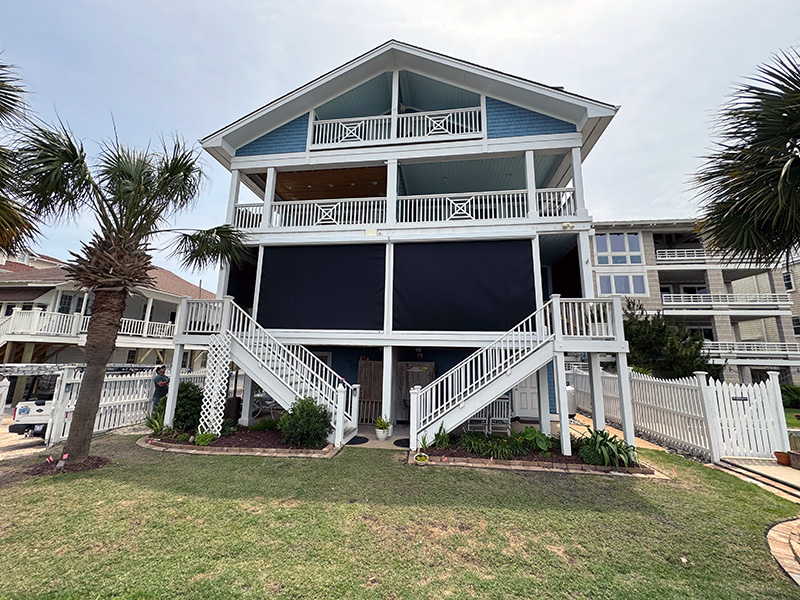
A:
{"x": 365, "y": 525}
{"x": 790, "y": 420}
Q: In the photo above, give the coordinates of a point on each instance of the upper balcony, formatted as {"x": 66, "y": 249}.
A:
{"x": 756, "y": 305}
{"x": 699, "y": 256}
{"x": 734, "y": 352}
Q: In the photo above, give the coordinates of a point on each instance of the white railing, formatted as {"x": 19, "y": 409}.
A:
{"x": 304, "y": 373}
{"x": 203, "y": 317}
{"x": 456, "y": 122}
{"x": 682, "y": 254}
{"x": 746, "y": 300}
{"x": 55, "y": 324}
{"x": 345, "y": 211}
{"x": 248, "y": 216}
{"x": 125, "y": 400}
{"x": 557, "y": 319}
{"x": 760, "y": 348}
{"x": 475, "y": 206}
{"x": 556, "y": 203}
{"x": 695, "y": 255}
{"x": 351, "y": 131}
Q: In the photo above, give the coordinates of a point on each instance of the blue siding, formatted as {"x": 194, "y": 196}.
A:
{"x": 290, "y": 137}
{"x": 507, "y": 120}
{"x": 551, "y": 387}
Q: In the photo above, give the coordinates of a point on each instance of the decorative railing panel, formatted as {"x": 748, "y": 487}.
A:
{"x": 456, "y": 122}
{"x": 476, "y": 206}
{"x": 351, "y": 131}
{"x": 312, "y": 213}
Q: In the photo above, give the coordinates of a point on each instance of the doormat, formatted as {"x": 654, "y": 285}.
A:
{"x": 403, "y": 443}
{"x": 357, "y": 441}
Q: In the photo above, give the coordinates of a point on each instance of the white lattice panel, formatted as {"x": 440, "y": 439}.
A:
{"x": 215, "y": 391}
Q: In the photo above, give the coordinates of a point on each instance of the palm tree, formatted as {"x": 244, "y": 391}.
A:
{"x": 132, "y": 194}
{"x": 17, "y": 225}
{"x": 749, "y": 187}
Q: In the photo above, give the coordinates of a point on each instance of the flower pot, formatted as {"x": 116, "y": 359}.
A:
{"x": 421, "y": 458}
{"x": 782, "y": 458}
{"x": 391, "y": 430}
{"x": 381, "y": 434}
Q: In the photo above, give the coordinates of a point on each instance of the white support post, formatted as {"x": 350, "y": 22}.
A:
{"x": 577, "y": 183}
{"x": 395, "y": 103}
{"x": 257, "y": 293}
{"x": 774, "y": 397}
{"x": 619, "y": 324}
{"x": 181, "y": 317}
{"x": 310, "y": 134}
{"x": 388, "y": 289}
{"x": 75, "y": 328}
{"x": 233, "y": 199}
{"x": 269, "y": 196}
{"x": 559, "y": 373}
{"x": 174, "y": 382}
{"x": 538, "y": 287}
{"x": 543, "y": 390}
{"x": 585, "y": 259}
{"x": 596, "y": 390}
{"x": 147, "y": 312}
{"x": 558, "y": 330}
{"x": 413, "y": 422}
{"x": 625, "y": 400}
{"x": 387, "y": 406}
{"x": 36, "y": 317}
{"x": 247, "y": 402}
{"x": 391, "y": 191}
{"x": 227, "y": 310}
{"x": 709, "y": 404}
{"x": 355, "y": 399}
{"x": 530, "y": 184}
{"x": 339, "y": 431}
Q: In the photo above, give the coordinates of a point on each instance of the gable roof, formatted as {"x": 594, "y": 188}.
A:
{"x": 591, "y": 117}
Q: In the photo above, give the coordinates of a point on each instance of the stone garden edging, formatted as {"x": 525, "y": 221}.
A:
{"x": 328, "y": 451}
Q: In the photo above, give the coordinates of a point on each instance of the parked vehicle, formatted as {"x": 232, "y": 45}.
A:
{"x": 31, "y": 417}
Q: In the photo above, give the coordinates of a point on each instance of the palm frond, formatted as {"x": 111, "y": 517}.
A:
{"x": 200, "y": 249}
{"x": 12, "y": 96}
{"x": 17, "y": 226}
{"x": 179, "y": 175}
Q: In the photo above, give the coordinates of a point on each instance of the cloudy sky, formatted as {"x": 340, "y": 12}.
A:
{"x": 156, "y": 68}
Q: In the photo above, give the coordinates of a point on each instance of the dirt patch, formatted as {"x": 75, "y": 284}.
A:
{"x": 91, "y": 463}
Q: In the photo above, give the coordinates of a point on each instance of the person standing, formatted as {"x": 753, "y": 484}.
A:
{"x": 160, "y": 384}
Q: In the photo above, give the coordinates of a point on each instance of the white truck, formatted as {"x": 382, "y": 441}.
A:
{"x": 31, "y": 417}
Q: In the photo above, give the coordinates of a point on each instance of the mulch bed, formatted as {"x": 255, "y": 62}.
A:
{"x": 555, "y": 456}
{"x": 91, "y": 462}
{"x": 243, "y": 438}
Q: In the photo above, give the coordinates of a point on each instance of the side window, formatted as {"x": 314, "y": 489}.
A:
{"x": 618, "y": 249}
{"x": 788, "y": 281}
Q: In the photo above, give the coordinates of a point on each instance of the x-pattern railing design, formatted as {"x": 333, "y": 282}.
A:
{"x": 438, "y": 124}
{"x": 351, "y": 132}
{"x": 461, "y": 209}
{"x": 327, "y": 214}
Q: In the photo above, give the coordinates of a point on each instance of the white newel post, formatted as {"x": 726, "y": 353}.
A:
{"x": 530, "y": 184}
{"x": 36, "y": 316}
{"x": 543, "y": 391}
{"x": 711, "y": 414}
{"x": 413, "y": 421}
{"x": 75, "y": 326}
{"x": 774, "y": 397}
{"x": 355, "y": 398}
{"x": 338, "y": 434}
{"x": 577, "y": 182}
{"x": 15, "y": 320}
{"x": 596, "y": 390}
{"x": 227, "y": 310}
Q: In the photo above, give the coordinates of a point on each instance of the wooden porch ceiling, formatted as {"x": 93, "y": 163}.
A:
{"x": 324, "y": 184}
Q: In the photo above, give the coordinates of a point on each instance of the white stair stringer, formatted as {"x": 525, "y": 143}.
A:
{"x": 484, "y": 396}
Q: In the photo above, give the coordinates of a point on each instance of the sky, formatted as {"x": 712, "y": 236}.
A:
{"x": 154, "y": 68}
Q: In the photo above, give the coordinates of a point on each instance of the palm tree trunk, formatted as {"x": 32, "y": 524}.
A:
{"x": 107, "y": 311}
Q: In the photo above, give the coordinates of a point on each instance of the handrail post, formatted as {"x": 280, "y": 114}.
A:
{"x": 15, "y": 312}
{"x": 338, "y": 434}
{"x": 619, "y": 324}
{"x": 35, "y": 319}
{"x": 711, "y": 414}
{"x": 355, "y": 398}
{"x": 413, "y": 426}
{"x": 75, "y": 326}
{"x": 182, "y": 317}
{"x": 558, "y": 331}
{"x": 774, "y": 396}
{"x": 227, "y": 310}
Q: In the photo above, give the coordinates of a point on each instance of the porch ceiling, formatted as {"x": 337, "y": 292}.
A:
{"x": 369, "y": 99}
{"x": 363, "y": 182}
{"x": 553, "y": 248}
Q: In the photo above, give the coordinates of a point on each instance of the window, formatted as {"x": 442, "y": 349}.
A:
{"x": 65, "y": 304}
{"x": 185, "y": 360}
{"x": 694, "y": 289}
{"x": 9, "y": 309}
{"x": 618, "y": 249}
{"x": 796, "y": 325}
{"x": 131, "y": 358}
{"x": 629, "y": 285}
{"x": 665, "y": 289}
{"x": 788, "y": 282}
{"x": 78, "y": 304}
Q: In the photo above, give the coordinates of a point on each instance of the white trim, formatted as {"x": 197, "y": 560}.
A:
{"x": 257, "y": 292}
{"x": 388, "y": 292}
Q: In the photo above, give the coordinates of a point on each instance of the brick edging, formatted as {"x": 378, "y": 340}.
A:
{"x": 328, "y": 451}
{"x": 522, "y": 465}
{"x": 783, "y": 540}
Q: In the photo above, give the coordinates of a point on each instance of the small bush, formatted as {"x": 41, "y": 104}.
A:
{"x": 155, "y": 422}
{"x": 229, "y": 427}
{"x": 536, "y": 440}
{"x": 473, "y": 442}
{"x": 441, "y": 439}
{"x": 306, "y": 424}
{"x": 590, "y": 455}
{"x": 203, "y": 439}
{"x": 504, "y": 448}
{"x": 264, "y": 425}
{"x": 790, "y": 395}
{"x": 381, "y": 423}
{"x": 609, "y": 448}
{"x": 183, "y": 438}
{"x": 188, "y": 407}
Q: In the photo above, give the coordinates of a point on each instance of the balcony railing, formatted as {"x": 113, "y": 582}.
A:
{"x": 53, "y": 324}
{"x": 447, "y": 123}
{"x": 700, "y": 255}
{"x": 752, "y": 348}
{"x": 333, "y": 132}
{"x": 748, "y": 301}
{"x": 556, "y": 203}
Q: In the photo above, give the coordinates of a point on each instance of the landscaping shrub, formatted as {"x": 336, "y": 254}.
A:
{"x": 590, "y": 455}
{"x": 504, "y": 448}
{"x": 306, "y": 424}
{"x": 203, "y": 439}
{"x": 188, "y": 407}
{"x": 609, "y": 448}
{"x": 536, "y": 440}
{"x": 229, "y": 427}
{"x": 264, "y": 425}
{"x": 441, "y": 438}
{"x": 473, "y": 442}
{"x": 183, "y": 437}
{"x": 790, "y": 395}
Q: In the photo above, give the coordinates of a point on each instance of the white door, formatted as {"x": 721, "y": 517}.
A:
{"x": 526, "y": 399}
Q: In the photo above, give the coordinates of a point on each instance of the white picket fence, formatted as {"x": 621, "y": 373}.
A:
{"x": 126, "y": 400}
{"x": 706, "y": 418}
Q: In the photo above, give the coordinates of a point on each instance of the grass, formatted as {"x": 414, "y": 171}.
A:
{"x": 365, "y": 525}
{"x": 790, "y": 420}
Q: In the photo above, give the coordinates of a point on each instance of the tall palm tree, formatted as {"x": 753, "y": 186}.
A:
{"x": 17, "y": 224}
{"x": 132, "y": 195}
{"x": 749, "y": 187}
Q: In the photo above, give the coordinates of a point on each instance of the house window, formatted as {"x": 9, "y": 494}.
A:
{"x": 9, "y": 309}
{"x": 796, "y": 325}
{"x": 185, "y": 360}
{"x": 131, "y": 358}
{"x": 65, "y": 304}
{"x": 618, "y": 249}
{"x": 203, "y": 360}
{"x": 78, "y": 304}
{"x": 788, "y": 282}
{"x": 629, "y": 285}
{"x": 694, "y": 290}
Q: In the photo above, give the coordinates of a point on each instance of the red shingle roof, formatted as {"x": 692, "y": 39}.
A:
{"x": 14, "y": 267}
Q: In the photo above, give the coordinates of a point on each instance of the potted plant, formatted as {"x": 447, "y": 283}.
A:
{"x": 382, "y": 429}
{"x": 421, "y": 458}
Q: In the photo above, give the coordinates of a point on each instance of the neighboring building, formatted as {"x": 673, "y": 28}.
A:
{"x": 744, "y": 310}
{"x": 408, "y": 209}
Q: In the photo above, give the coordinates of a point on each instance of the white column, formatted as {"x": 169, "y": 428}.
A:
{"x": 530, "y": 184}
{"x": 147, "y": 312}
{"x": 559, "y": 376}
{"x": 596, "y": 391}
{"x": 543, "y": 390}
{"x": 233, "y": 198}
{"x": 537, "y": 273}
{"x": 388, "y": 291}
{"x": 577, "y": 182}
{"x": 395, "y": 102}
{"x": 391, "y": 191}
{"x": 269, "y": 196}
{"x": 387, "y": 406}
{"x": 585, "y": 259}
{"x": 257, "y": 293}
{"x": 247, "y": 402}
{"x": 625, "y": 400}
{"x": 174, "y": 382}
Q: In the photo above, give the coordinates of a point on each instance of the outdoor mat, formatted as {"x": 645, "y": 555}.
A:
{"x": 357, "y": 441}
{"x": 403, "y": 443}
